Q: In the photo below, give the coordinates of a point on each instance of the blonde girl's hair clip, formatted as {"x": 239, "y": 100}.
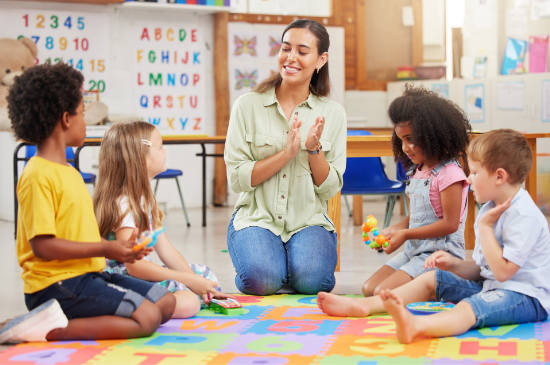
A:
{"x": 146, "y": 142}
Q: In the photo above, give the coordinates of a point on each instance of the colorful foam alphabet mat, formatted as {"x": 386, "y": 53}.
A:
{"x": 290, "y": 329}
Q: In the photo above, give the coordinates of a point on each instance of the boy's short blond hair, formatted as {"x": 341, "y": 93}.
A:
{"x": 503, "y": 148}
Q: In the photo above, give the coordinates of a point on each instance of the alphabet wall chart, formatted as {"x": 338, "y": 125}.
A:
{"x": 169, "y": 77}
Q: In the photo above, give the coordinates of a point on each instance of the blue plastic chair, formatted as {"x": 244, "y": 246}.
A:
{"x": 173, "y": 174}
{"x": 366, "y": 176}
{"x": 88, "y": 177}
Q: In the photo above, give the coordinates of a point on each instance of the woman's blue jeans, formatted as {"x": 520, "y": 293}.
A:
{"x": 264, "y": 263}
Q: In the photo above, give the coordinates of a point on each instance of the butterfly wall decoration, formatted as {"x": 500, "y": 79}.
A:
{"x": 245, "y": 46}
{"x": 245, "y": 79}
{"x": 274, "y": 46}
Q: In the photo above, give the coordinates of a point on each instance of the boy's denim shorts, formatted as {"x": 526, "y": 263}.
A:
{"x": 413, "y": 266}
{"x": 97, "y": 294}
{"x": 495, "y": 307}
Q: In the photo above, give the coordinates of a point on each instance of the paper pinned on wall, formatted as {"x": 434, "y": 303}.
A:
{"x": 407, "y": 16}
{"x": 517, "y": 19}
{"x": 538, "y": 53}
{"x": 510, "y": 95}
{"x": 540, "y": 9}
{"x": 441, "y": 89}
{"x": 514, "y": 57}
{"x": 474, "y": 100}
{"x": 545, "y": 107}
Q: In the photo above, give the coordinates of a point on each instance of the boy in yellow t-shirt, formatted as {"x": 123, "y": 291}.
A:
{"x": 59, "y": 246}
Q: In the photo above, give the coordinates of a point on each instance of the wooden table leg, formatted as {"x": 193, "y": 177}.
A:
{"x": 334, "y": 212}
{"x": 469, "y": 234}
{"x": 357, "y": 210}
{"x": 531, "y": 181}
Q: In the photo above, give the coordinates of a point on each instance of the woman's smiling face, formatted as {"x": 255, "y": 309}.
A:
{"x": 299, "y": 56}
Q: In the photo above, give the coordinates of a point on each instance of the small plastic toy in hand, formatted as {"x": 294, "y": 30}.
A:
{"x": 377, "y": 240}
{"x": 148, "y": 238}
{"x": 228, "y": 306}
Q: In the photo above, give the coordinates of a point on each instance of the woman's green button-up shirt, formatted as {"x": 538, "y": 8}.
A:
{"x": 289, "y": 201}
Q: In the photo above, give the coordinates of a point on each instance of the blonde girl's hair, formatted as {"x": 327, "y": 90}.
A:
{"x": 123, "y": 173}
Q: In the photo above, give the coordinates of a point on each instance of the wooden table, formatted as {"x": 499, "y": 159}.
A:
{"x": 380, "y": 145}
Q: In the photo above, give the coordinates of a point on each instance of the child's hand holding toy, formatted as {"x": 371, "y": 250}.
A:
{"x": 124, "y": 251}
{"x": 148, "y": 239}
{"x": 206, "y": 289}
{"x": 378, "y": 240}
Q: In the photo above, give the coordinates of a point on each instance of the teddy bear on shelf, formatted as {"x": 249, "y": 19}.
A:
{"x": 16, "y": 55}
{"x": 96, "y": 113}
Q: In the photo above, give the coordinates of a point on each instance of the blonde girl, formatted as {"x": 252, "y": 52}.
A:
{"x": 131, "y": 156}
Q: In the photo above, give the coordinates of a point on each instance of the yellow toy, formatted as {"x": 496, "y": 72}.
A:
{"x": 378, "y": 240}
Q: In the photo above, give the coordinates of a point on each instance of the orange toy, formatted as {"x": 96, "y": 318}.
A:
{"x": 378, "y": 240}
{"x": 148, "y": 239}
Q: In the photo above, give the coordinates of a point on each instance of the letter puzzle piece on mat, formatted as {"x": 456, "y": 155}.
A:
{"x": 298, "y": 327}
{"x": 29, "y": 354}
{"x": 495, "y": 349}
{"x": 200, "y": 325}
{"x": 132, "y": 355}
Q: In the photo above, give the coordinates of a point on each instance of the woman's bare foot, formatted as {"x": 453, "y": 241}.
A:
{"x": 404, "y": 320}
{"x": 336, "y": 305}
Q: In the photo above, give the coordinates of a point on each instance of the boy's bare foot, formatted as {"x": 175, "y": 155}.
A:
{"x": 336, "y": 305}
{"x": 404, "y": 320}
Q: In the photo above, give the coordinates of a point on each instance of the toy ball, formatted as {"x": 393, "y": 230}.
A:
{"x": 377, "y": 240}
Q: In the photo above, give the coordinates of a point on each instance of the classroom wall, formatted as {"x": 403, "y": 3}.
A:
{"x": 482, "y": 26}
{"x": 488, "y": 24}
{"x": 514, "y": 101}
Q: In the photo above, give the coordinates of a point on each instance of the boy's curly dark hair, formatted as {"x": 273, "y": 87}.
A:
{"x": 40, "y": 96}
{"x": 440, "y": 128}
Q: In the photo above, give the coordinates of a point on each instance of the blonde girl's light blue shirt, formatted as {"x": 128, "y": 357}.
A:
{"x": 522, "y": 232}
{"x": 288, "y": 201}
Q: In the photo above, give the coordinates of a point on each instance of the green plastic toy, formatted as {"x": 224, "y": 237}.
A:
{"x": 227, "y": 306}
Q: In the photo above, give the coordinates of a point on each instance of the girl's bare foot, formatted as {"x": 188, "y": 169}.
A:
{"x": 404, "y": 320}
{"x": 336, "y": 305}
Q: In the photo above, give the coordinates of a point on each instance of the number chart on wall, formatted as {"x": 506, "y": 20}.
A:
{"x": 74, "y": 37}
{"x": 170, "y": 75}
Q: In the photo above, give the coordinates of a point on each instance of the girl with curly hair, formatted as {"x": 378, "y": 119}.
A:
{"x": 430, "y": 138}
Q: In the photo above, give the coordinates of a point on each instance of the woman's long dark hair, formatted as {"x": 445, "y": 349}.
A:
{"x": 320, "y": 82}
